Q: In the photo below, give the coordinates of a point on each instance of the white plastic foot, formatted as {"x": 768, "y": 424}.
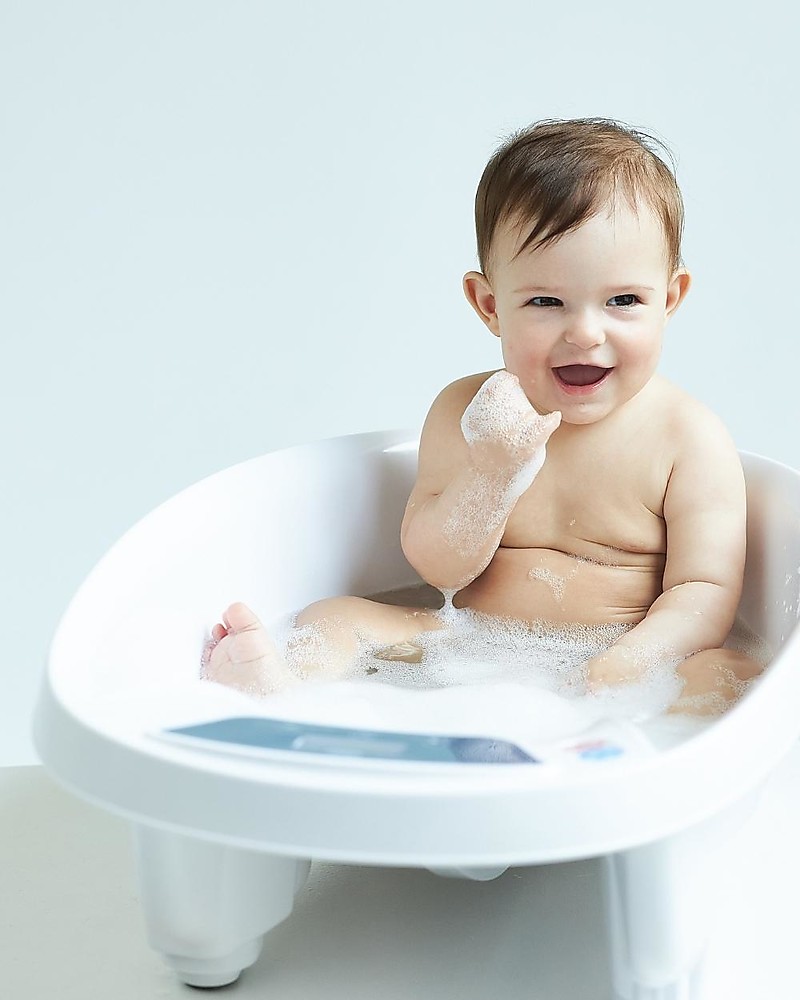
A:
{"x": 660, "y": 901}
{"x": 475, "y": 874}
{"x": 209, "y": 973}
{"x": 207, "y": 906}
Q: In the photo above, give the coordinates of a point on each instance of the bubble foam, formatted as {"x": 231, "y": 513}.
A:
{"x": 473, "y": 648}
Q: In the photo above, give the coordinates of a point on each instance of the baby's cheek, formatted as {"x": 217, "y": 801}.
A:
{"x": 523, "y": 359}
{"x": 643, "y": 354}
{"x": 510, "y": 356}
{"x": 531, "y": 380}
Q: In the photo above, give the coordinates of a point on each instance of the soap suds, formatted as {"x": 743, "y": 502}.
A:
{"x": 474, "y": 648}
{"x": 554, "y": 581}
{"x": 498, "y": 418}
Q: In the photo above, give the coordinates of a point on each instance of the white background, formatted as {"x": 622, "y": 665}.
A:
{"x": 232, "y": 226}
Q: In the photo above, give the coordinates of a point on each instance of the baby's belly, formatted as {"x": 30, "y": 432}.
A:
{"x": 548, "y": 585}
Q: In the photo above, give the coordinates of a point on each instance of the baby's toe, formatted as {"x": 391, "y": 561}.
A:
{"x": 239, "y": 618}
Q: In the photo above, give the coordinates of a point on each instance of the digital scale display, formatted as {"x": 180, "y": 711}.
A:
{"x": 261, "y": 734}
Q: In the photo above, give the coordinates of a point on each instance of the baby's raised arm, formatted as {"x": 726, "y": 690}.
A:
{"x": 479, "y": 452}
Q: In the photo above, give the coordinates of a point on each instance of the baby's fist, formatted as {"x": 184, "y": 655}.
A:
{"x": 617, "y": 665}
{"x": 502, "y": 428}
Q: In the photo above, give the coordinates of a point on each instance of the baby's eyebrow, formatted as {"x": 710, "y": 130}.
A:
{"x": 540, "y": 290}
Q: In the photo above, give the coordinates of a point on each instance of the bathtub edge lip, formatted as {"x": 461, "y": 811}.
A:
{"x": 96, "y": 784}
{"x": 71, "y": 727}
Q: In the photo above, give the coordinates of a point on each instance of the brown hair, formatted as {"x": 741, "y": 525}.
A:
{"x": 557, "y": 174}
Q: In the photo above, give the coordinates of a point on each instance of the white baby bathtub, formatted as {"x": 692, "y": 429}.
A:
{"x": 224, "y": 840}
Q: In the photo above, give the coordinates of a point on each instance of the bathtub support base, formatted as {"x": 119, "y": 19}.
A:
{"x": 207, "y": 906}
{"x": 660, "y": 900}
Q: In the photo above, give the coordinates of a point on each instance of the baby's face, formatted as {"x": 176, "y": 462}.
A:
{"x": 581, "y": 319}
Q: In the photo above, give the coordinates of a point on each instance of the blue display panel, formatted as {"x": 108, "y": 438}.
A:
{"x": 264, "y": 734}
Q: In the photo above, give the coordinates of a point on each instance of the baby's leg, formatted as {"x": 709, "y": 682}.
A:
{"x": 329, "y": 634}
{"x": 324, "y": 643}
{"x": 713, "y": 680}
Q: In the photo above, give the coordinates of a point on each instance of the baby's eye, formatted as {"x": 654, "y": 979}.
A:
{"x": 544, "y": 301}
{"x": 629, "y": 299}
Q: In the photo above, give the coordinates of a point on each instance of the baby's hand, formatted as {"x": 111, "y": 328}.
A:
{"x": 617, "y": 665}
{"x": 502, "y": 429}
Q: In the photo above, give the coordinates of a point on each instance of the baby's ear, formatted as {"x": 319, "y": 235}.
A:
{"x": 677, "y": 289}
{"x": 481, "y": 297}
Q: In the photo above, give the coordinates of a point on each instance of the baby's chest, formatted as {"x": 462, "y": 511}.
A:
{"x": 586, "y": 507}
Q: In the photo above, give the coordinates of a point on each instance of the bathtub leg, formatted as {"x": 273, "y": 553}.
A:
{"x": 207, "y": 906}
{"x": 660, "y": 901}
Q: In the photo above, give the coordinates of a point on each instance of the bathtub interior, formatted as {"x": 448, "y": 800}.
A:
{"x": 277, "y": 532}
{"x": 771, "y": 598}
{"x": 282, "y": 531}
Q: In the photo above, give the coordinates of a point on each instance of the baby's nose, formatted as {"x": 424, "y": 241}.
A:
{"x": 584, "y": 329}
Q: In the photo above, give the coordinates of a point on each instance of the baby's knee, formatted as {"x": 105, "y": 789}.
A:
{"x": 726, "y": 663}
{"x": 341, "y": 609}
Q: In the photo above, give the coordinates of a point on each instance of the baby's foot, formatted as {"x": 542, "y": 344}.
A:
{"x": 240, "y": 654}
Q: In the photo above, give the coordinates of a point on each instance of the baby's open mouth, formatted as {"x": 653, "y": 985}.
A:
{"x": 580, "y": 374}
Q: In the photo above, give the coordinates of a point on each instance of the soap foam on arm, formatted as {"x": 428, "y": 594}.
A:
{"x": 506, "y": 438}
{"x": 471, "y": 476}
{"x": 505, "y": 434}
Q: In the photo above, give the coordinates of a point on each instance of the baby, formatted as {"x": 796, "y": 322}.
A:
{"x": 575, "y": 485}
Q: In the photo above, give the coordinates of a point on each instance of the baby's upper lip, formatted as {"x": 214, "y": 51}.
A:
{"x": 583, "y": 362}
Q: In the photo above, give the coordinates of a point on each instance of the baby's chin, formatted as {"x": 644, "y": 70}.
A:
{"x": 573, "y": 412}
{"x": 583, "y": 419}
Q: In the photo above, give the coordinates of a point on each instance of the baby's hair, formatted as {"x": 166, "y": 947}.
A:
{"x": 556, "y": 174}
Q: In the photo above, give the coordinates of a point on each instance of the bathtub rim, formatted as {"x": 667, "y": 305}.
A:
{"x": 580, "y": 809}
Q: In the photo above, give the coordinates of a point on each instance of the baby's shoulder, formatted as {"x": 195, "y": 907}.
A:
{"x": 456, "y": 397}
{"x": 688, "y": 420}
{"x": 442, "y": 438}
{"x": 695, "y": 432}
{"x": 442, "y": 446}
{"x": 464, "y": 389}
{"x": 707, "y": 473}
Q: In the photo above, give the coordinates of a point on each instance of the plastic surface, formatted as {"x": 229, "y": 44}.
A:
{"x": 124, "y": 663}
{"x": 223, "y": 838}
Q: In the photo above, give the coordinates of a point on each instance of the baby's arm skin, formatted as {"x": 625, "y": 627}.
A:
{"x": 705, "y": 515}
{"x": 472, "y": 471}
